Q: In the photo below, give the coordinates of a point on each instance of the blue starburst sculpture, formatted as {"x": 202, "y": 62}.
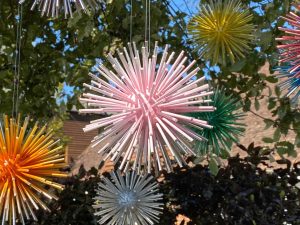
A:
{"x": 128, "y": 200}
{"x": 291, "y": 82}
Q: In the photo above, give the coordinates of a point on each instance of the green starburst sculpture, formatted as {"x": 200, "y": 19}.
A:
{"x": 226, "y": 124}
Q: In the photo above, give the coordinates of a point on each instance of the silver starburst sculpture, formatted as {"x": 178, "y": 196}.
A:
{"x": 145, "y": 104}
{"x": 52, "y": 8}
{"x": 129, "y": 200}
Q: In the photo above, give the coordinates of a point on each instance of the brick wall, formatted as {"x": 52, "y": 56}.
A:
{"x": 79, "y": 141}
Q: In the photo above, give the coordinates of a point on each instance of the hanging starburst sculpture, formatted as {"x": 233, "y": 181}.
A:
{"x": 128, "y": 200}
{"x": 222, "y": 29}
{"x": 225, "y": 121}
{"x": 290, "y": 84}
{"x": 52, "y": 8}
{"x": 29, "y": 159}
{"x": 146, "y": 103}
{"x": 289, "y": 54}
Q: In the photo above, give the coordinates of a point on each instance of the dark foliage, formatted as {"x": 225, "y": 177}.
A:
{"x": 74, "y": 206}
{"x": 240, "y": 194}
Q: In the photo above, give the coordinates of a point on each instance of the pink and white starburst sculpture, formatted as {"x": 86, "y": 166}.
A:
{"x": 290, "y": 43}
{"x": 290, "y": 56}
{"x": 147, "y": 126}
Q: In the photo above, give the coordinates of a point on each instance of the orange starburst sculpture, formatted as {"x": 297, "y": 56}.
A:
{"x": 29, "y": 159}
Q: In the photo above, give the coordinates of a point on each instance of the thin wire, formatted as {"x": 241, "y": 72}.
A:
{"x": 16, "y": 62}
{"x": 19, "y": 59}
{"x": 149, "y": 20}
{"x": 188, "y": 8}
{"x": 146, "y": 20}
{"x": 131, "y": 19}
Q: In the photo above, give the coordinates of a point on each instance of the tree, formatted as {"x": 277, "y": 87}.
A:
{"x": 61, "y": 52}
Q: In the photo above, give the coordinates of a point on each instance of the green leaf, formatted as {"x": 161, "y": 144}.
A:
{"x": 199, "y": 159}
{"x": 282, "y": 111}
{"x": 272, "y": 103}
{"x": 268, "y": 140}
{"x": 265, "y": 39}
{"x": 292, "y": 153}
{"x": 238, "y": 66}
{"x": 277, "y": 135}
{"x": 272, "y": 79}
{"x": 282, "y": 194}
{"x": 225, "y": 153}
{"x": 297, "y": 140}
{"x": 256, "y": 104}
{"x": 213, "y": 166}
{"x": 271, "y": 158}
{"x": 277, "y": 91}
{"x": 252, "y": 198}
{"x": 268, "y": 123}
{"x": 74, "y": 20}
{"x": 286, "y": 147}
{"x": 269, "y": 92}
{"x": 247, "y": 105}
{"x": 281, "y": 151}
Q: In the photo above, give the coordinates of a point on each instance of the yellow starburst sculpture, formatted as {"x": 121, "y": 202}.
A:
{"x": 222, "y": 30}
{"x": 29, "y": 159}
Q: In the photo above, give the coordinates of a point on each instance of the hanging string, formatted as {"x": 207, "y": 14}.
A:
{"x": 149, "y": 28}
{"x": 19, "y": 59}
{"x": 146, "y": 20}
{"x": 131, "y": 19}
{"x": 15, "y": 65}
{"x": 148, "y": 23}
{"x": 15, "y": 97}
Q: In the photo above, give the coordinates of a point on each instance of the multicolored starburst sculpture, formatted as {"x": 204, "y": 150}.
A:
{"x": 289, "y": 54}
{"x": 221, "y": 30}
{"x": 29, "y": 159}
{"x": 52, "y": 8}
{"x": 225, "y": 121}
{"x": 128, "y": 200}
{"x": 146, "y": 103}
{"x": 291, "y": 84}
